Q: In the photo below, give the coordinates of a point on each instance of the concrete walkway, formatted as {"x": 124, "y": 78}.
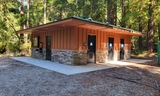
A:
{"x": 70, "y": 70}
{"x": 62, "y": 68}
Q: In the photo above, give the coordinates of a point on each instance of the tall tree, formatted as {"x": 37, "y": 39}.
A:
{"x": 150, "y": 27}
{"x": 28, "y": 8}
{"x": 112, "y": 12}
{"x": 22, "y": 14}
{"x": 140, "y": 27}
{"x": 45, "y": 11}
{"x": 123, "y": 23}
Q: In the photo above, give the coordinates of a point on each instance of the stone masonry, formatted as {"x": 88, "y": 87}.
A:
{"x": 37, "y": 54}
{"x": 101, "y": 56}
{"x": 70, "y": 57}
{"x": 127, "y": 54}
{"x": 116, "y": 55}
{"x": 77, "y": 57}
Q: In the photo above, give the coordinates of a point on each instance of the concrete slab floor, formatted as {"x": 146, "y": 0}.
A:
{"x": 70, "y": 70}
{"x": 63, "y": 68}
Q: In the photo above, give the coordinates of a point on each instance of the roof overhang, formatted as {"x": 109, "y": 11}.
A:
{"x": 82, "y": 23}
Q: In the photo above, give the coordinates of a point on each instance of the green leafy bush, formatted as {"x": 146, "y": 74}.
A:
{"x": 2, "y": 48}
{"x": 14, "y": 47}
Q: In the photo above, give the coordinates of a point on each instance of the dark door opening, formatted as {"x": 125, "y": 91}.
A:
{"x": 48, "y": 47}
{"x": 122, "y": 49}
{"x": 91, "y": 49}
{"x": 111, "y": 48}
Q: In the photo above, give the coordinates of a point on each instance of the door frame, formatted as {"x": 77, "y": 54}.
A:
{"x": 47, "y": 47}
{"x": 123, "y": 48}
{"x": 95, "y": 46}
{"x": 113, "y": 48}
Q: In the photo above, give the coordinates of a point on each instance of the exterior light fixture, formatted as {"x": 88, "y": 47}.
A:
{"x": 118, "y": 26}
{"x": 107, "y": 23}
{"x": 90, "y": 19}
{"x": 55, "y": 20}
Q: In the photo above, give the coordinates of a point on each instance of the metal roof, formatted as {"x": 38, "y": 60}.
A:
{"x": 89, "y": 20}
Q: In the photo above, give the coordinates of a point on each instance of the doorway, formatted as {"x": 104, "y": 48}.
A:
{"x": 48, "y": 47}
{"x": 91, "y": 57}
{"x": 122, "y": 49}
{"x": 111, "y": 48}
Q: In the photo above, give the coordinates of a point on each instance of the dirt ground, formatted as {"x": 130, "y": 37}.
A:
{"x": 21, "y": 79}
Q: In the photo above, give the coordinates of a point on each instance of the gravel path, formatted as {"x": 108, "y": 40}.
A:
{"x": 21, "y": 79}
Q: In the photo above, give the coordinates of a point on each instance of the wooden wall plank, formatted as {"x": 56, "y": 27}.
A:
{"x": 80, "y": 38}
{"x": 68, "y": 38}
{"x": 99, "y": 40}
{"x": 62, "y": 39}
{"x": 76, "y": 38}
{"x": 65, "y": 38}
{"x": 84, "y": 38}
{"x": 72, "y": 38}
{"x": 56, "y": 39}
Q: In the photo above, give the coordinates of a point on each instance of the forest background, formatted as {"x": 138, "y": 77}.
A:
{"x": 140, "y": 15}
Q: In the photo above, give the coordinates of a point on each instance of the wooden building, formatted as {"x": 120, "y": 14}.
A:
{"x": 78, "y": 41}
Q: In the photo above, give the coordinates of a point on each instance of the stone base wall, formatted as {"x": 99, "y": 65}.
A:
{"x": 70, "y": 57}
{"x": 37, "y": 54}
{"x": 101, "y": 56}
{"x": 116, "y": 56}
{"x": 77, "y": 57}
{"x": 127, "y": 54}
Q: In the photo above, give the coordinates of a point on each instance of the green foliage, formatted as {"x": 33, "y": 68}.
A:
{"x": 14, "y": 47}
{"x": 138, "y": 52}
{"x": 11, "y": 20}
{"x": 2, "y": 48}
{"x": 26, "y": 48}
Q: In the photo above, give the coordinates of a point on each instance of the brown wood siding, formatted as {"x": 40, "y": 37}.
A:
{"x": 101, "y": 38}
{"x": 73, "y": 38}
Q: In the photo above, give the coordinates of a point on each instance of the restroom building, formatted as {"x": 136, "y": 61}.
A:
{"x": 79, "y": 41}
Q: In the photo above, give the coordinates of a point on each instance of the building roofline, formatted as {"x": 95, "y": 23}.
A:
{"x": 86, "y": 20}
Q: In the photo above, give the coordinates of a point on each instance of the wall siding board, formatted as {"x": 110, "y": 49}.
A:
{"x": 73, "y": 38}
{"x": 76, "y": 43}
{"x": 70, "y": 34}
{"x": 80, "y": 38}
{"x": 84, "y": 38}
{"x": 65, "y": 38}
{"x": 56, "y": 39}
{"x": 98, "y": 40}
{"x": 62, "y": 37}
{"x": 68, "y": 38}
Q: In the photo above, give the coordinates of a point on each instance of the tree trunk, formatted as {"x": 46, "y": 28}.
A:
{"x": 21, "y": 14}
{"x": 140, "y": 37}
{"x": 28, "y": 5}
{"x": 150, "y": 28}
{"x": 140, "y": 45}
{"x": 22, "y": 23}
{"x": 112, "y": 12}
{"x": 45, "y": 11}
{"x": 158, "y": 31}
{"x": 60, "y": 14}
{"x": 123, "y": 24}
{"x": 27, "y": 24}
{"x": 83, "y": 8}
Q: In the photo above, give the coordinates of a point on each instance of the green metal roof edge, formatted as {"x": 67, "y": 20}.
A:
{"x": 45, "y": 24}
{"x": 86, "y": 20}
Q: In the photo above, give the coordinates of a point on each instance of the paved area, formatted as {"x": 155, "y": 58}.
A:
{"x": 62, "y": 68}
{"x": 70, "y": 70}
{"x": 128, "y": 62}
